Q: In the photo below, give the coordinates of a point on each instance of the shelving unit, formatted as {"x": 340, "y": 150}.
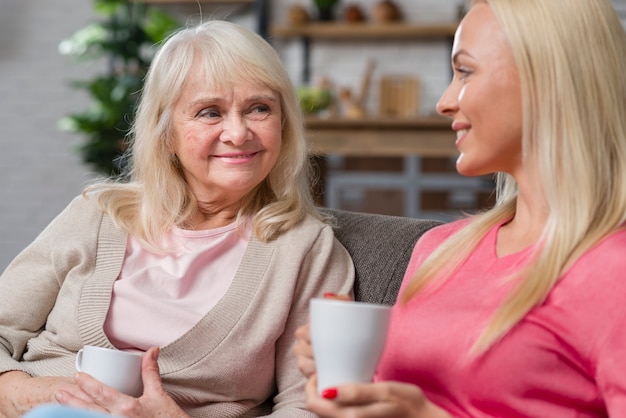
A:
{"x": 410, "y": 139}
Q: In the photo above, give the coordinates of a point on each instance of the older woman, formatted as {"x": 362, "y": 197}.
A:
{"x": 210, "y": 248}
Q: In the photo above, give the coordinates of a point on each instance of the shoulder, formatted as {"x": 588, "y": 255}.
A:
{"x": 611, "y": 246}
{"x": 308, "y": 229}
{"x": 82, "y": 212}
{"x": 84, "y": 204}
{"x": 599, "y": 272}
{"x": 587, "y": 304}
{"x": 311, "y": 237}
{"x": 431, "y": 240}
{"x": 606, "y": 258}
{"x": 438, "y": 234}
{"x": 595, "y": 281}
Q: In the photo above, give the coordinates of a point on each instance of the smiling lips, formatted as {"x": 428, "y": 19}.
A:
{"x": 460, "y": 134}
{"x": 461, "y": 128}
{"x": 238, "y": 156}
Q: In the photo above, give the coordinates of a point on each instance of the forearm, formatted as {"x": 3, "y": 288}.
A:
{"x": 10, "y": 403}
{"x": 19, "y": 392}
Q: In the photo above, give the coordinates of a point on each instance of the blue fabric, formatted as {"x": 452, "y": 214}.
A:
{"x": 59, "y": 411}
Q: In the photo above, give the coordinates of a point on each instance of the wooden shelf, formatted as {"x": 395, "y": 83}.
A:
{"x": 367, "y": 31}
{"x": 195, "y": 1}
{"x": 433, "y": 122}
{"x": 425, "y": 137}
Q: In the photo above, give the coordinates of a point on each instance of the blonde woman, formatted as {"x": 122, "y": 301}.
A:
{"x": 207, "y": 254}
{"x": 518, "y": 311}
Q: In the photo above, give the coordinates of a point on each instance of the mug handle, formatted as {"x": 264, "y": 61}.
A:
{"x": 79, "y": 360}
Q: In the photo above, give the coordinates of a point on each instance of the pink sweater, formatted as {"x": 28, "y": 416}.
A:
{"x": 566, "y": 358}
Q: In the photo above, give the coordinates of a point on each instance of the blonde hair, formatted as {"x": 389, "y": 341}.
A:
{"x": 571, "y": 62}
{"x": 156, "y": 196}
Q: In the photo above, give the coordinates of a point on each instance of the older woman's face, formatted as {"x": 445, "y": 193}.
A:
{"x": 484, "y": 97}
{"x": 227, "y": 141}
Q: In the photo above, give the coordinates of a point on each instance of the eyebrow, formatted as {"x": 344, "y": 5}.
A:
{"x": 270, "y": 97}
{"x": 455, "y": 56}
{"x": 217, "y": 99}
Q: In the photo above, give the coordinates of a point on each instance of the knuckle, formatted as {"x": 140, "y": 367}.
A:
{"x": 387, "y": 392}
{"x": 129, "y": 407}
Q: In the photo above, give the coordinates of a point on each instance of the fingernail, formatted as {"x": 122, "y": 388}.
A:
{"x": 155, "y": 353}
{"x": 330, "y": 393}
{"x": 329, "y": 294}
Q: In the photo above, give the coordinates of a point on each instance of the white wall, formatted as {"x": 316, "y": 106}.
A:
{"x": 40, "y": 170}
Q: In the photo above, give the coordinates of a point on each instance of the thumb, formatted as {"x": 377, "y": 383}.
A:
{"x": 150, "y": 371}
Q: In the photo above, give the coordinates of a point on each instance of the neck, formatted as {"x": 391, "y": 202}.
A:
{"x": 210, "y": 218}
{"x": 527, "y": 225}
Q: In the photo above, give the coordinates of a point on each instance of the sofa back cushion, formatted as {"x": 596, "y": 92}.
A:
{"x": 380, "y": 246}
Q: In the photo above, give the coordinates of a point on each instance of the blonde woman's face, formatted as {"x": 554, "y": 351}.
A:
{"x": 227, "y": 141}
{"x": 484, "y": 97}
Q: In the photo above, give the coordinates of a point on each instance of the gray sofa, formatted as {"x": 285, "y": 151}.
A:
{"x": 380, "y": 246}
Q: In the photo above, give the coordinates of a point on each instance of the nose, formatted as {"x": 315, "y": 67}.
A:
{"x": 235, "y": 130}
{"x": 448, "y": 103}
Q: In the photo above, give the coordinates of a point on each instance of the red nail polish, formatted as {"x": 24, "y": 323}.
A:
{"x": 329, "y": 294}
{"x": 330, "y": 393}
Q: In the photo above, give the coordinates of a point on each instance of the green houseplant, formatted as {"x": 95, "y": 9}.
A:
{"x": 325, "y": 9}
{"x": 125, "y": 37}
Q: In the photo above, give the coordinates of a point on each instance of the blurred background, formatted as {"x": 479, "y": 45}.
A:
{"x": 369, "y": 73}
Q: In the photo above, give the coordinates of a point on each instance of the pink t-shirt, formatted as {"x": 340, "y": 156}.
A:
{"x": 158, "y": 297}
{"x": 566, "y": 358}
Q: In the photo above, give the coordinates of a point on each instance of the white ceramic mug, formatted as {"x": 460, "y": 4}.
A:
{"x": 348, "y": 339}
{"x": 119, "y": 369}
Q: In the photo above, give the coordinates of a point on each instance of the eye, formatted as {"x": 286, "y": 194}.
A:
{"x": 462, "y": 72}
{"x": 208, "y": 113}
{"x": 259, "y": 111}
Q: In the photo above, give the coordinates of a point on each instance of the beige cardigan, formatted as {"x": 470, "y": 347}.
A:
{"x": 236, "y": 362}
